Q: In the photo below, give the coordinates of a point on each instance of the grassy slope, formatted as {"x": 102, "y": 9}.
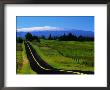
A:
{"x": 19, "y": 58}
{"x": 69, "y": 55}
{"x": 25, "y": 68}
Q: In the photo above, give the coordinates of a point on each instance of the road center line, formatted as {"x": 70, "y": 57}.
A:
{"x": 36, "y": 60}
{"x": 45, "y": 68}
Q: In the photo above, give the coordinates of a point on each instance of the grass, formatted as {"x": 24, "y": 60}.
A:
{"x": 67, "y": 55}
{"x": 26, "y": 69}
{"x": 22, "y": 61}
{"x": 19, "y": 58}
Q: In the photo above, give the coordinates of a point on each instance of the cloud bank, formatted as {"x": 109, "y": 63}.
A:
{"x": 44, "y": 28}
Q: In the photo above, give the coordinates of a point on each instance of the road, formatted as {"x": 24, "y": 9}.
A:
{"x": 41, "y": 67}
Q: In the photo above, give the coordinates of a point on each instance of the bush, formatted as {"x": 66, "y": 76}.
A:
{"x": 19, "y": 40}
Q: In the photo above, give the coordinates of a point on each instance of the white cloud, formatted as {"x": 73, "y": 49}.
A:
{"x": 49, "y": 28}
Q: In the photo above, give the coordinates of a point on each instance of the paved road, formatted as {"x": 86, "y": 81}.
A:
{"x": 41, "y": 67}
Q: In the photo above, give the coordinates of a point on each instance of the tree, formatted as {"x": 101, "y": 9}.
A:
{"x": 69, "y": 37}
{"x": 55, "y": 38}
{"x": 43, "y": 37}
{"x": 74, "y": 37}
{"x": 50, "y": 37}
{"x": 19, "y": 40}
{"x": 29, "y": 36}
{"x": 81, "y": 38}
{"x": 36, "y": 38}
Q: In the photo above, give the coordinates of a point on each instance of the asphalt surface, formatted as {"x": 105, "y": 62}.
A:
{"x": 41, "y": 67}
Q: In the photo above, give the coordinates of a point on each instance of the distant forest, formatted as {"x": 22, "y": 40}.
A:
{"x": 68, "y": 37}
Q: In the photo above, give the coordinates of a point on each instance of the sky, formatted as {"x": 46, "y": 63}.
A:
{"x": 32, "y": 23}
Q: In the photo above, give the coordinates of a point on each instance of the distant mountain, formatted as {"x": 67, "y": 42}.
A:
{"x": 46, "y": 33}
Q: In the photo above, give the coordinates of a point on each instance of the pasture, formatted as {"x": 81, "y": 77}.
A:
{"x": 22, "y": 62}
{"x": 66, "y": 55}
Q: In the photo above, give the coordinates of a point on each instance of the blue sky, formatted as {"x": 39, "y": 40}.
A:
{"x": 54, "y": 22}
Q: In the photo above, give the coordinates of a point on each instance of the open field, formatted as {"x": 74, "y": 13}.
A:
{"x": 22, "y": 63}
{"x": 67, "y": 55}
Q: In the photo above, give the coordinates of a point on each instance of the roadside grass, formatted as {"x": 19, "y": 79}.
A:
{"x": 67, "y": 55}
{"x": 23, "y": 62}
{"x": 19, "y": 58}
{"x": 26, "y": 69}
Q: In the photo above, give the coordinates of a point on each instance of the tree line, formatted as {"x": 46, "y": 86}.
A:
{"x": 65, "y": 37}
{"x": 69, "y": 37}
{"x": 28, "y": 37}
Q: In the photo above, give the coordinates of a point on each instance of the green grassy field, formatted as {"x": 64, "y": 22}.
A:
{"x": 22, "y": 63}
{"x": 19, "y": 58}
{"x": 67, "y": 55}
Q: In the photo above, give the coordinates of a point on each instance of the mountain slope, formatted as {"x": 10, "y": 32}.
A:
{"x": 46, "y": 33}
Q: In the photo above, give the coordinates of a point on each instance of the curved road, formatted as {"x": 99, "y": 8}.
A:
{"x": 41, "y": 67}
